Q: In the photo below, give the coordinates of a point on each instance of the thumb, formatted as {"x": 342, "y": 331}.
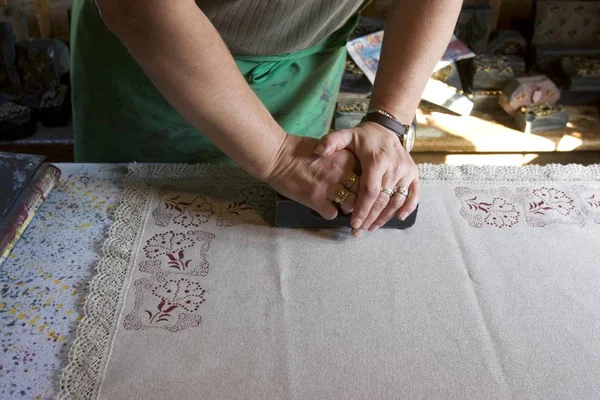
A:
{"x": 333, "y": 142}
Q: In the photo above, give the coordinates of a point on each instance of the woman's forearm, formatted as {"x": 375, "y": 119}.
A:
{"x": 416, "y": 35}
{"x": 184, "y": 56}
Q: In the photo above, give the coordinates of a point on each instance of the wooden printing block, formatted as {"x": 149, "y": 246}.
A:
{"x": 542, "y": 117}
{"x": 485, "y": 100}
{"x": 516, "y": 63}
{"x": 42, "y": 61}
{"x": 547, "y": 56}
{"x": 490, "y": 72}
{"x": 354, "y": 80}
{"x": 526, "y": 91}
{"x": 582, "y": 73}
{"x": 474, "y": 26}
{"x": 507, "y": 43}
{"x": 55, "y": 106}
{"x": 16, "y": 122}
{"x": 350, "y": 110}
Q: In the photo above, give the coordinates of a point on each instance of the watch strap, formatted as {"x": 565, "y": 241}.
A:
{"x": 387, "y": 122}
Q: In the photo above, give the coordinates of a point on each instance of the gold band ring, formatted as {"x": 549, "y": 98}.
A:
{"x": 350, "y": 182}
{"x": 341, "y": 197}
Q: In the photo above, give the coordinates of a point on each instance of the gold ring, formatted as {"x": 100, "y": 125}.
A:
{"x": 402, "y": 190}
{"x": 389, "y": 192}
{"x": 341, "y": 197}
{"x": 348, "y": 185}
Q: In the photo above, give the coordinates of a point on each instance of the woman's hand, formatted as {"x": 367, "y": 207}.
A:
{"x": 300, "y": 175}
{"x": 384, "y": 164}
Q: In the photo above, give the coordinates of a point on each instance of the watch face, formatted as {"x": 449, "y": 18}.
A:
{"x": 409, "y": 138}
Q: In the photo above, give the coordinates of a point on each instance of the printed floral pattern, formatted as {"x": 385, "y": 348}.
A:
{"x": 232, "y": 205}
{"x": 543, "y": 206}
{"x": 493, "y": 207}
{"x": 538, "y": 206}
{"x": 590, "y": 201}
{"x": 169, "y": 294}
{"x": 174, "y": 249}
{"x": 165, "y": 305}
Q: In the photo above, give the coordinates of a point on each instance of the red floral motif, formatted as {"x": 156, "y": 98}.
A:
{"x": 551, "y": 199}
{"x": 175, "y": 203}
{"x": 545, "y": 206}
{"x": 499, "y": 212}
{"x": 231, "y": 213}
{"x": 161, "y": 315}
{"x": 183, "y": 252}
{"x": 194, "y": 214}
{"x": 246, "y": 205}
{"x": 180, "y": 293}
{"x": 590, "y": 201}
{"x": 178, "y": 261}
{"x": 494, "y": 207}
{"x": 167, "y": 243}
{"x": 165, "y": 305}
{"x": 593, "y": 201}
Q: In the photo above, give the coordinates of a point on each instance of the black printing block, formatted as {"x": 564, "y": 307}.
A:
{"x": 16, "y": 122}
{"x": 289, "y": 214}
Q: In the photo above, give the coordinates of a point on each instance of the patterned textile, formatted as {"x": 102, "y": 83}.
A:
{"x": 43, "y": 283}
{"x": 567, "y": 23}
{"x": 492, "y": 294}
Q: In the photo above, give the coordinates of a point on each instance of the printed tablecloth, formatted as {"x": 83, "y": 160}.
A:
{"x": 493, "y": 294}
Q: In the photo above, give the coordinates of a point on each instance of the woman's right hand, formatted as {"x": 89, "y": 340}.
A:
{"x": 314, "y": 181}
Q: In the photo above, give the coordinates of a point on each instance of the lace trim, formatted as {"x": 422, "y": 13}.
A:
{"x": 81, "y": 378}
{"x": 505, "y": 174}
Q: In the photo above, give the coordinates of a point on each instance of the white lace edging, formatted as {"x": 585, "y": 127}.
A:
{"x": 500, "y": 174}
{"x": 88, "y": 355}
{"x": 81, "y": 378}
{"x": 428, "y": 173}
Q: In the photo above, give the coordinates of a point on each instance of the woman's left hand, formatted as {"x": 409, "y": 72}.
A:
{"x": 385, "y": 164}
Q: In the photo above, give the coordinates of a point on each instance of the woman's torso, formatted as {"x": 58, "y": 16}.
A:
{"x": 259, "y": 27}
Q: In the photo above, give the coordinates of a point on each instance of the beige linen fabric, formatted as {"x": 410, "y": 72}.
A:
{"x": 493, "y": 294}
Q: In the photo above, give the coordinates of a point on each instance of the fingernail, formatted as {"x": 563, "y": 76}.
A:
{"x": 320, "y": 149}
{"x": 403, "y": 216}
{"x": 374, "y": 228}
{"x": 357, "y": 223}
{"x": 358, "y": 233}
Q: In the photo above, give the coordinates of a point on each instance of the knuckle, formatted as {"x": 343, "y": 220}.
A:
{"x": 380, "y": 203}
{"x": 397, "y": 201}
{"x": 370, "y": 191}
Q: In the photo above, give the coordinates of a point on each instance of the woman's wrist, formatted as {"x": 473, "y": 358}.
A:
{"x": 261, "y": 159}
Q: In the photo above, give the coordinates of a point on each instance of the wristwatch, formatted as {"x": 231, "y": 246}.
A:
{"x": 406, "y": 133}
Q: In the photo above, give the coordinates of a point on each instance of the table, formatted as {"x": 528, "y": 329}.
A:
{"x": 42, "y": 284}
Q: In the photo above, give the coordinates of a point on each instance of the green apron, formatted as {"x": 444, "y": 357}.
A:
{"x": 119, "y": 116}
